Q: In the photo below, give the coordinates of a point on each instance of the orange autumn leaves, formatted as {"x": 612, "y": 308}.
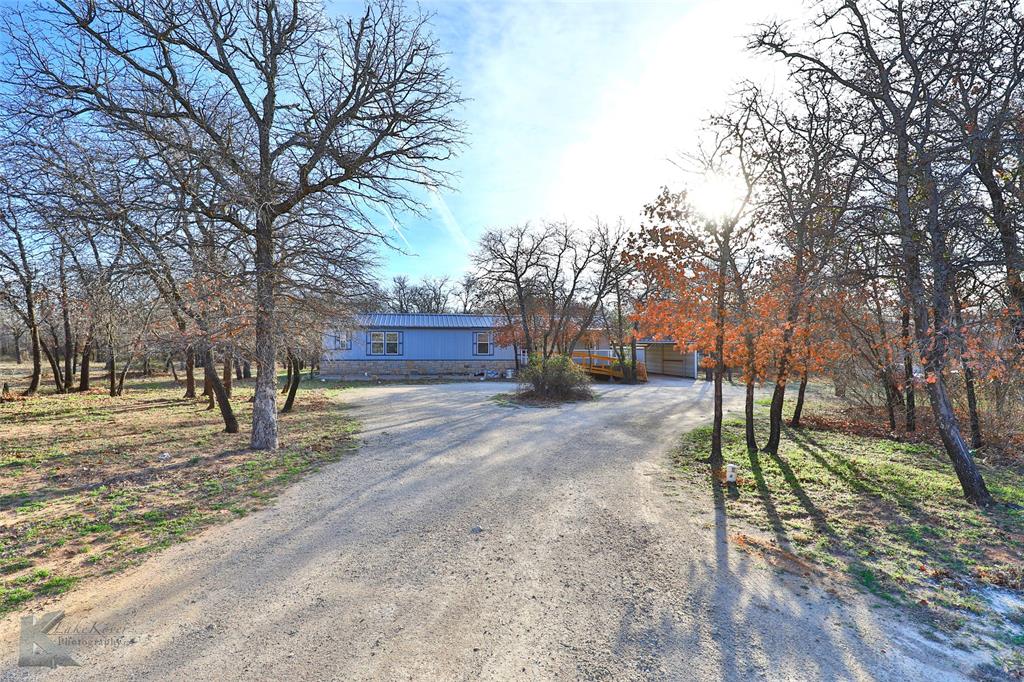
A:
{"x": 682, "y": 270}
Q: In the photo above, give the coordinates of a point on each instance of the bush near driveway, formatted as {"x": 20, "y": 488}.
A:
{"x": 557, "y": 378}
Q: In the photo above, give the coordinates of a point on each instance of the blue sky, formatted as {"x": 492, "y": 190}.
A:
{"x": 575, "y": 111}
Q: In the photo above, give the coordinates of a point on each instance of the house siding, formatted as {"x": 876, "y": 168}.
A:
{"x": 420, "y": 344}
{"x": 424, "y": 351}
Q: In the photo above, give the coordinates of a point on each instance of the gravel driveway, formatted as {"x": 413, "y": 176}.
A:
{"x": 470, "y": 540}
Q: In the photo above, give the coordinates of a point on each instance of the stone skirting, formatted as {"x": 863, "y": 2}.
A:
{"x": 406, "y": 368}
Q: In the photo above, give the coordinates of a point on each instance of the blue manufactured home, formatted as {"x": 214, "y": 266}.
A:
{"x": 411, "y": 344}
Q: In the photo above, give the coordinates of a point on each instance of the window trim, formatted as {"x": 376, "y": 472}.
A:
{"x": 399, "y": 342}
{"x": 476, "y": 344}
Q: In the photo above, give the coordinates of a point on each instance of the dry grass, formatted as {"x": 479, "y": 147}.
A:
{"x": 1003, "y": 432}
{"x": 91, "y": 484}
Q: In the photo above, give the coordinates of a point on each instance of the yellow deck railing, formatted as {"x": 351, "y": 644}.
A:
{"x": 606, "y": 366}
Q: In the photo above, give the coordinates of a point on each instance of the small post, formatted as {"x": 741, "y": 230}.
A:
{"x": 730, "y": 480}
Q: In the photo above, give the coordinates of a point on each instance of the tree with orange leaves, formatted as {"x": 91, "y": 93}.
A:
{"x": 691, "y": 261}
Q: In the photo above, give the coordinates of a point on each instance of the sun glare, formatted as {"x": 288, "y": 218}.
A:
{"x": 715, "y": 196}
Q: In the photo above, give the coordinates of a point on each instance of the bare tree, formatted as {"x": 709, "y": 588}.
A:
{"x": 468, "y": 294}
{"x": 894, "y": 59}
{"x": 507, "y": 261}
{"x": 431, "y": 295}
{"x": 280, "y": 105}
{"x": 552, "y": 281}
{"x": 19, "y": 248}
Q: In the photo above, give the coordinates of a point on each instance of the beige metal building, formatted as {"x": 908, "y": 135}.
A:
{"x": 662, "y": 357}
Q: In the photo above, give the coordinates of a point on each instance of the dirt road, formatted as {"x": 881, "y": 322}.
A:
{"x": 470, "y": 540}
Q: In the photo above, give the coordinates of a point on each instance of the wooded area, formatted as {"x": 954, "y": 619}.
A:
{"x": 202, "y": 184}
{"x": 874, "y": 233}
{"x": 202, "y": 181}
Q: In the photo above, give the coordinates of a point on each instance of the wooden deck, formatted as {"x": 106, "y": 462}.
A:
{"x": 606, "y": 366}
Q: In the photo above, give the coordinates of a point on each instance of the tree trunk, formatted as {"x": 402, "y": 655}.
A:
{"x": 748, "y": 416}
{"x": 716, "y": 430}
{"x": 977, "y": 442}
{"x": 246, "y": 370}
{"x": 294, "y": 385}
{"x": 58, "y": 379}
{"x": 238, "y": 369}
{"x": 632, "y": 358}
{"x": 227, "y": 372}
{"x": 288, "y": 377}
{"x": 890, "y": 401}
{"x": 17, "y": 349}
{"x": 967, "y": 472}
{"x": 798, "y": 410}
{"x": 217, "y": 389}
{"x": 972, "y": 398}
{"x": 750, "y": 377}
{"x": 933, "y": 311}
{"x": 120, "y": 378}
{"x": 124, "y": 373}
{"x": 1005, "y": 225}
{"x": 66, "y": 319}
{"x": 83, "y": 381}
{"x": 190, "y": 372}
{"x": 775, "y": 415}
{"x": 207, "y": 384}
{"x": 174, "y": 370}
{"x": 264, "y": 408}
{"x": 37, "y": 361}
{"x": 908, "y": 374}
{"x": 68, "y": 371}
{"x": 781, "y": 379}
{"x": 112, "y": 368}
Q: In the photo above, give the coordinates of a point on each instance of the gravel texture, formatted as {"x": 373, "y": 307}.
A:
{"x": 471, "y": 540}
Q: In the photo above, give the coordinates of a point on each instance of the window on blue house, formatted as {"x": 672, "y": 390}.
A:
{"x": 483, "y": 344}
{"x": 385, "y": 343}
{"x": 341, "y": 341}
{"x": 376, "y": 343}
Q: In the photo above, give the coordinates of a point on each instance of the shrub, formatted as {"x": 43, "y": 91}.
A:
{"x": 557, "y": 378}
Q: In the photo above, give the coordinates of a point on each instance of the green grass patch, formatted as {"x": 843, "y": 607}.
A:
{"x": 58, "y": 585}
{"x": 889, "y": 515}
{"x": 14, "y": 565}
{"x": 10, "y": 598}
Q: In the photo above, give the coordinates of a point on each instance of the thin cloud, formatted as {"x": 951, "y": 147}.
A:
{"x": 451, "y": 225}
